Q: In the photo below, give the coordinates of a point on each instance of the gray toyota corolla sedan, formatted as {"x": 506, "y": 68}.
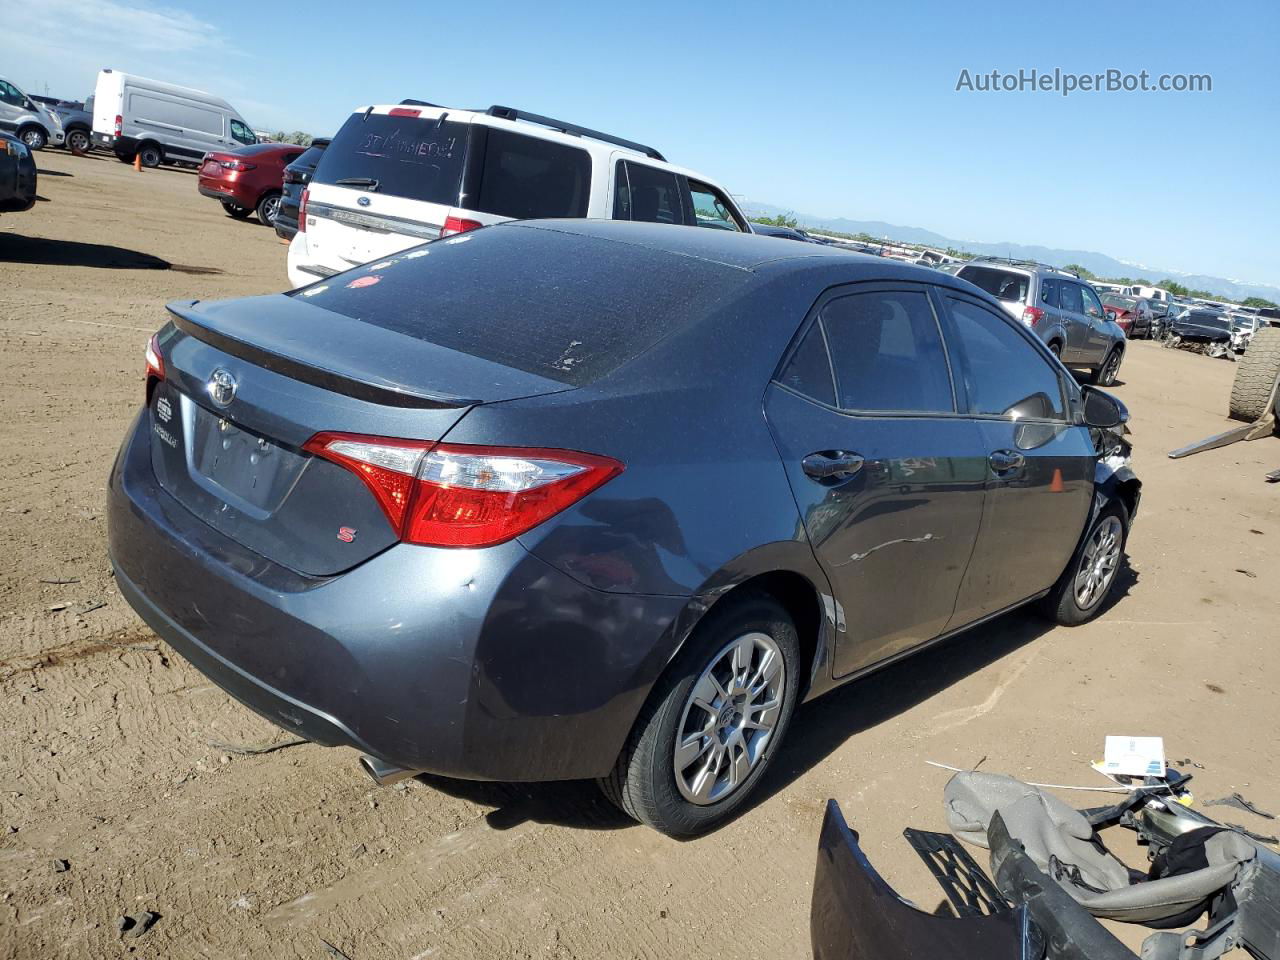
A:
{"x": 589, "y": 499}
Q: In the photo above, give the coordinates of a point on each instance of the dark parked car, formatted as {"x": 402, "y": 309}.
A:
{"x": 1204, "y": 331}
{"x": 249, "y": 179}
{"x": 17, "y": 175}
{"x": 782, "y": 233}
{"x": 296, "y": 177}
{"x": 571, "y": 499}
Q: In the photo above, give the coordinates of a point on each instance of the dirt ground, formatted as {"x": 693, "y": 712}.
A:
{"x": 119, "y": 759}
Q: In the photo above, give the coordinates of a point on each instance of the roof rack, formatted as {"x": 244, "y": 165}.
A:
{"x": 510, "y": 113}
{"x": 1024, "y": 262}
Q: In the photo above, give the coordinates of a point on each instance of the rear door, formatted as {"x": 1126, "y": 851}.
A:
{"x": 1038, "y": 469}
{"x": 887, "y": 475}
{"x": 648, "y": 194}
{"x": 1078, "y": 348}
{"x": 387, "y": 181}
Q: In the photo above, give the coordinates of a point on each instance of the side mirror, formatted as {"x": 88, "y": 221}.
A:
{"x": 1102, "y": 410}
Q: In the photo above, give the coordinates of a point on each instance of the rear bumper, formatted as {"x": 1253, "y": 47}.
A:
{"x": 479, "y": 664}
{"x": 120, "y": 145}
{"x": 227, "y": 192}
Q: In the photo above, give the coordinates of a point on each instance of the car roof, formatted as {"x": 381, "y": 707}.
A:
{"x": 729, "y": 248}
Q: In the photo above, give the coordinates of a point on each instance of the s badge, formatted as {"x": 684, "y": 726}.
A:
{"x": 347, "y": 534}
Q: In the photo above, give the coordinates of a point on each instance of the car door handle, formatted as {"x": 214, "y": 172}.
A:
{"x": 831, "y": 464}
{"x": 1005, "y": 461}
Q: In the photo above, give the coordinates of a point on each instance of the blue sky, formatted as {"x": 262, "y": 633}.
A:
{"x": 846, "y": 109}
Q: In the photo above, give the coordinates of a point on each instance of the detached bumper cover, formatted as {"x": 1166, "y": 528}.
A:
{"x": 479, "y": 664}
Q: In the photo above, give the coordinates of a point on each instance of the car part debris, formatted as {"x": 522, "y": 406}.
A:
{"x": 1260, "y": 837}
{"x": 252, "y": 750}
{"x": 1240, "y": 803}
{"x": 136, "y": 925}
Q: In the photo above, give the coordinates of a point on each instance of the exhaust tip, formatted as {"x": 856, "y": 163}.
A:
{"x": 384, "y": 774}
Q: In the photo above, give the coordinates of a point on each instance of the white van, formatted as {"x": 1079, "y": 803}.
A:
{"x": 1150, "y": 293}
{"x": 162, "y": 122}
{"x": 23, "y": 117}
{"x": 397, "y": 175}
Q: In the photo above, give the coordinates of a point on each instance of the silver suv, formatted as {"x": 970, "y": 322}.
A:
{"x": 1063, "y": 309}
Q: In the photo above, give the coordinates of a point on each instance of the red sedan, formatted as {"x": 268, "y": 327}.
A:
{"x": 248, "y": 180}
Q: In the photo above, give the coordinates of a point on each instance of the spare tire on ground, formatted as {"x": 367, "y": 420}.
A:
{"x": 1256, "y": 376}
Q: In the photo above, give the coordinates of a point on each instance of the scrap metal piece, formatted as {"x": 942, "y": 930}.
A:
{"x": 1264, "y": 427}
{"x": 969, "y": 889}
{"x": 1240, "y": 803}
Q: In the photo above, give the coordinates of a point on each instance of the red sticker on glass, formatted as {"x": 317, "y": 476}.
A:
{"x": 359, "y": 282}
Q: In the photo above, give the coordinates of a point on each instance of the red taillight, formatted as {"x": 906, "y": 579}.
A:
{"x": 454, "y": 225}
{"x": 119, "y": 127}
{"x": 454, "y": 495}
{"x": 155, "y": 360}
{"x": 403, "y": 112}
{"x": 1032, "y": 315}
{"x": 239, "y": 166}
{"x": 302, "y": 211}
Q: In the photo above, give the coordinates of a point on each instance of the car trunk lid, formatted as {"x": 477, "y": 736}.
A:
{"x": 247, "y": 383}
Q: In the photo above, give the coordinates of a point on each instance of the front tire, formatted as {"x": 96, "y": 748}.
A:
{"x": 1081, "y": 591}
{"x": 34, "y": 138}
{"x": 1105, "y": 375}
{"x": 711, "y": 724}
{"x": 78, "y": 141}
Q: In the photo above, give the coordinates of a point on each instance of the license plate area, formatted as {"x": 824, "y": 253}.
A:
{"x": 247, "y": 466}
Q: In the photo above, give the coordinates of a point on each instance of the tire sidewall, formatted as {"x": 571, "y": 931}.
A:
{"x": 263, "y": 204}
{"x": 678, "y": 816}
{"x": 154, "y": 151}
{"x": 1069, "y": 610}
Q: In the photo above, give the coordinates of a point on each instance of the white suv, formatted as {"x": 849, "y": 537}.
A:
{"x": 396, "y": 176}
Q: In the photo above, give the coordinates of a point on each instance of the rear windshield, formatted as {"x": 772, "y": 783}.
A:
{"x": 563, "y": 306}
{"x": 401, "y": 156}
{"x": 1001, "y": 284}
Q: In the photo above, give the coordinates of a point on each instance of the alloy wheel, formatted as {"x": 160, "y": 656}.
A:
{"x": 729, "y": 718}
{"x": 33, "y": 139}
{"x": 1111, "y": 369}
{"x": 270, "y": 210}
{"x": 1099, "y": 563}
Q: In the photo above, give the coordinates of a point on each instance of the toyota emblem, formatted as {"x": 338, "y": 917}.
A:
{"x": 363, "y": 201}
{"x": 222, "y": 387}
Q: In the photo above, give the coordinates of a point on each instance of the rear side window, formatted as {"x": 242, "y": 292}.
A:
{"x": 1049, "y": 293}
{"x": 887, "y": 353}
{"x": 1007, "y": 376}
{"x": 403, "y": 156}
{"x": 1006, "y": 285}
{"x": 647, "y": 194}
{"x": 526, "y": 178}
{"x": 808, "y": 372}
{"x": 562, "y": 306}
{"x": 1072, "y": 301}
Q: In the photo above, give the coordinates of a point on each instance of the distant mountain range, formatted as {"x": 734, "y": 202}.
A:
{"x": 1099, "y": 263}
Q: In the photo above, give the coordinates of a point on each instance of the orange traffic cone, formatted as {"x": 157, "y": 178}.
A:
{"x": 137, "y": 162}
{"x": 1055, "y": 485}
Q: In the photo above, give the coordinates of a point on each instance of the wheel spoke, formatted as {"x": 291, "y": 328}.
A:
{"x": 770, "y": 664}
{"x": 739, "y": 762}
{"x": 692, "y": 748}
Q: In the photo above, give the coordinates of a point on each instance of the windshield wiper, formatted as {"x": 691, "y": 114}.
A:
{"x": 367, "y": 182}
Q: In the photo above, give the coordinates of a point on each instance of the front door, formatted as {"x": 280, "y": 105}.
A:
{"x": 1039, "y": 466}
{"x": 1099, "y": 331}
{"x": 1077, "y": 324}
{"x": 887, "y": 476}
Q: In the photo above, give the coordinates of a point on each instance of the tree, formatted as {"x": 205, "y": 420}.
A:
{"x": 1175, "y": 288}
{"x": 1082, "y": 272}
{"x": 1258, "y": 302}
{"x": 298, "y": 137}
{"x": 781, "y": 220}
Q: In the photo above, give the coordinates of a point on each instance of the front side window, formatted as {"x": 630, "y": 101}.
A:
{"x": 242, "y": 133}
{"x": 651, "y": 195}
{"x": 887, "y": 353}
{"x": 10, "y": 95}
{"x": 1092, "y": 306}
{"x": 528, "y": 178}
{"x": 711, "y": 209}
{"x": 1007, "y": 376}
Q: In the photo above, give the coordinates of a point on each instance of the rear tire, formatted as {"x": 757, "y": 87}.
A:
{"x": 268, "y": 208}
{"x": 234, "y": 210}
{"x": 726, "y": 746}
{"x": 151, "y": 155}
{"x": 1082, "y": 590}
{"x": 1255, "y": 376}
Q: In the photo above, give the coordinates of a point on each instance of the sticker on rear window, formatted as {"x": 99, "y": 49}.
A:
{"x": 359, "y": 282}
